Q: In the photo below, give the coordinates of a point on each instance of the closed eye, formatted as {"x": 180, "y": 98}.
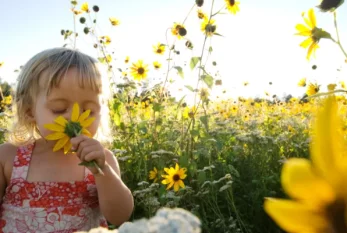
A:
{"x": 59, "y": 111}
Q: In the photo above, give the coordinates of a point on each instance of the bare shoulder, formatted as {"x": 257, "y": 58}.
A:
{"x": 112, "y": 161}
{"x": 7, "y": 152}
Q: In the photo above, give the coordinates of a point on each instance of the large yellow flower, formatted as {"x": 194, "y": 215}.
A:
{"x": 139, "y": 70}
{"x": 64, "y": 129}
{"x": 317, "y": 187}
{"x": 174, "y": 177}
{"x": 85, "y": 7}
{"x": 233, "y": 6}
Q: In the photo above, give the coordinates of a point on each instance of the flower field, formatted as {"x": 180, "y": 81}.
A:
{"x": 218, "y": 159}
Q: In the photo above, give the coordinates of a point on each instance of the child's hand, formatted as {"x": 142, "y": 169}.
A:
{"x": 88, "y": 149}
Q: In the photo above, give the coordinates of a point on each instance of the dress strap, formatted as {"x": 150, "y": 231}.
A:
{"x": 22, "y": 161}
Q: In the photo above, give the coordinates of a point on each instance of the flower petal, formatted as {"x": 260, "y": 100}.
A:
{"x": 60, "y": 143}
{"x": 176, "y": 186}
{"x": 86, "y": 132}
{"x": 303, "y": 30}
{"x": 300, "y": 181}
{"x": 293, "y": 216}
{"x": 54, "y": 127}
{"x": 84, "y": 115}
{"x": 75, "y": 112}
{"x": 170, "y": 185}
{"x": 87, "y": 122}
{"x": 181, "y": 184}
{"x": 55, "y": 136}
{"x": 60, "y": 120}
{"x": 306, "y": 42}
{"x": 327, "y": 143}
{"x": 67, "y": 147}
{"x": 312, "y": 18}
{"x": 311, "y": 50}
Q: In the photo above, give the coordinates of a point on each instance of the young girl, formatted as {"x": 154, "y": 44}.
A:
{"x": 46, "y": 191}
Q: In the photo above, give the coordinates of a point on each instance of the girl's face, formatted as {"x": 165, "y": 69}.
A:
{"x": 60, "y": 100}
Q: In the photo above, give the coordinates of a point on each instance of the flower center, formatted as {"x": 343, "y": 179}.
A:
{"x": 176, "y": 177}
{"x": 140, "y": 70}
{"x": 182, "y": 31}
{"x": 336, "y": 215}
{"x": 232, "y": 2}
{"x": 158, "y": 50}
{"x": 73, "y": 129}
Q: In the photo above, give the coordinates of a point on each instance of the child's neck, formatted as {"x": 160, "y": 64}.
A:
{"x": 43, "y": 146}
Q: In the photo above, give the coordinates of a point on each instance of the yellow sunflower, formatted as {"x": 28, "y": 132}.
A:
{"x": 342, "y": 84}
{"x": 208, "y": 27}
{"x": 85, "y": 7}
{"x": 302, "y": 82}
{"x": 126, "y": 60}
{"x": 139, "y": 70}
{"x": 178, "y": 30}
{"x": 174, "y": 177}
{"x": 114, "y": 21}
{"x": 313, "y": 33}
{"x": 157, "y": 65}
{"x": 233, "y": 6}
{"x": 313, "y": 88}
{"x": 153, "y": 175}
{"x": 331, "y": 86}
{"x": 159, "y": 48}
{"x": 64, "y": 129}
{"x": 317, "y": 187}
{"x": 106, "y": 40}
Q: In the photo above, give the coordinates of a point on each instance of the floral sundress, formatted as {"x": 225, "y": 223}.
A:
{"x": 48, "y": 206}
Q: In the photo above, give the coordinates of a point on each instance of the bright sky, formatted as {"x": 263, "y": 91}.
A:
{"x": 258, "y": 44}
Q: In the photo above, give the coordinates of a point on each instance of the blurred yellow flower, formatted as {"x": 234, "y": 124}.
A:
{"x": 139, "y": 70}
{"x": 114, "y": 21}
{"x": 302, "y": 82}
{"x": 106, "y": 40}
{"x": 156, "y": 65}
{"x": 126, "y": 60}
{"x": 208, "y": 27}
{"x": 204, "y": 94}
{"x": 174, "y": 177}
{"x": 201, "y": 14}
{"x": 153, "y": 175}
{"x": 331, "y": 86}
{"x": 85, "y": 7}
{"x": 76, "y": 12}
{"x": 342, "y": 84}
{"x": 313, "y": 88}
{"x": 317, "y": 187}
{"x": 124, "y": 74}
{"x": 159, "y": 48}
{"x": 1, "y": 64}
{"x": 178, "y": 30}
{"x": 232, "y": 6}
{"x": 64, "y": 129}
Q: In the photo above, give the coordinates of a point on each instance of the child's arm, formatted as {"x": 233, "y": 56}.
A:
{"x": 7, "y": 151}
{"x": 2, "y": 182}
{"x": 116, "y": 200}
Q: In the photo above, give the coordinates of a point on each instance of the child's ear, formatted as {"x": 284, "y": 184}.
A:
{"x": 29, "y": 115}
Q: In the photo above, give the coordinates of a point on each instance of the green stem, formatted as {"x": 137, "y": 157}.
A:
{"x": 338, "y": 36}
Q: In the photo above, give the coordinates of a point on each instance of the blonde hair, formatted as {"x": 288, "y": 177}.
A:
{"x": 55, "y": 63}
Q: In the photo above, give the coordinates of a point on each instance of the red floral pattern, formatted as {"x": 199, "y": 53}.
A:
{"x": 48, "y": 206}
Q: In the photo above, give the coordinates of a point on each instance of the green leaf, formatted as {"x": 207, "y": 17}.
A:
{"x": 180, "y": 71}
{"x": 116, "y": 119}
{"x": 217, "y": 34}
{"x": 204, "y": 120}
{"x": 183, "y": 161}
{"x": 193, "y": 62}
{"x": 208, "y": 79}
{"x": 189, "y": 88}
{"x": 157, "y": 107}
{"x": 74, "y": 3}
{"x": 202, "y": 177}
{"x": 87, "y": 164}
{"x": 210, "y": 49}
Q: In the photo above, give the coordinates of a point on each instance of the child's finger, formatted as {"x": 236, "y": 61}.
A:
{"x": 75, "y": 141}
{"x": 84, "y": 150}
